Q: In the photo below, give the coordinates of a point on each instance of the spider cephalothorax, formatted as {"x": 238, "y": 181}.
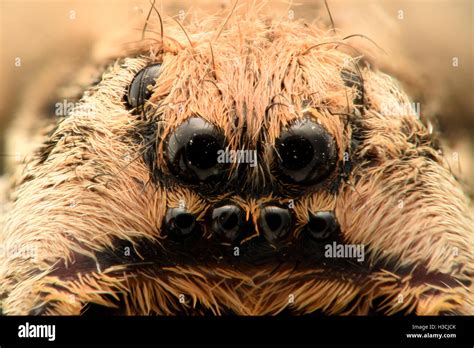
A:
{"x": 251, "y": 169}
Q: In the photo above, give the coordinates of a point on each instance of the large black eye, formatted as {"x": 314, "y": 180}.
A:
{"x": 140, "y": 88}
{"x": 193, "y": 151}
{"x": 306, "y": 153}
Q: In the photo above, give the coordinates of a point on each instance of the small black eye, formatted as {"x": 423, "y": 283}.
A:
{"x": 140, "y": 88}
{"x": 322, "y": 225}
{"x": 306, "y": 153}
{"x": 193, "y": 151}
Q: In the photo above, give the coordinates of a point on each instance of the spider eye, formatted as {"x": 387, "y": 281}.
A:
{"x": 140, "y": 88}
{"x": 193, "y": 150}
{"x": 306, "y": 153}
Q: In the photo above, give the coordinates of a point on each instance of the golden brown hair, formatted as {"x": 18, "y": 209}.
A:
{"x": 92, "y": 203}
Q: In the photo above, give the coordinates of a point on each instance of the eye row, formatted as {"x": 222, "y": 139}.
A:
{"x": 305, "y": 152}
{"x": 228, "y": 223}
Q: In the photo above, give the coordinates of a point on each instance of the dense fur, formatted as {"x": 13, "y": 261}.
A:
{"x": 92, "y": 191}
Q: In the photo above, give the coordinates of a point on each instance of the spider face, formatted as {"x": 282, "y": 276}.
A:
{"x": 253, "y": 175}
{"x": 303, "y": 154}
{"x": 247, "y": 210}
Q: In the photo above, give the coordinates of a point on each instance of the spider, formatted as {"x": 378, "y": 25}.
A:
{"x": 335, "y": 200}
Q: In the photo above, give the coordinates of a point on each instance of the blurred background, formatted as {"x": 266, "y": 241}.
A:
{"x": 44, "y": 44}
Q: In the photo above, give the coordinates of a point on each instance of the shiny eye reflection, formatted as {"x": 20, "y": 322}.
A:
{"x": 306, "y": 153}
{"x": 140, "y": 89}
{"x": 192, "y": 151}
